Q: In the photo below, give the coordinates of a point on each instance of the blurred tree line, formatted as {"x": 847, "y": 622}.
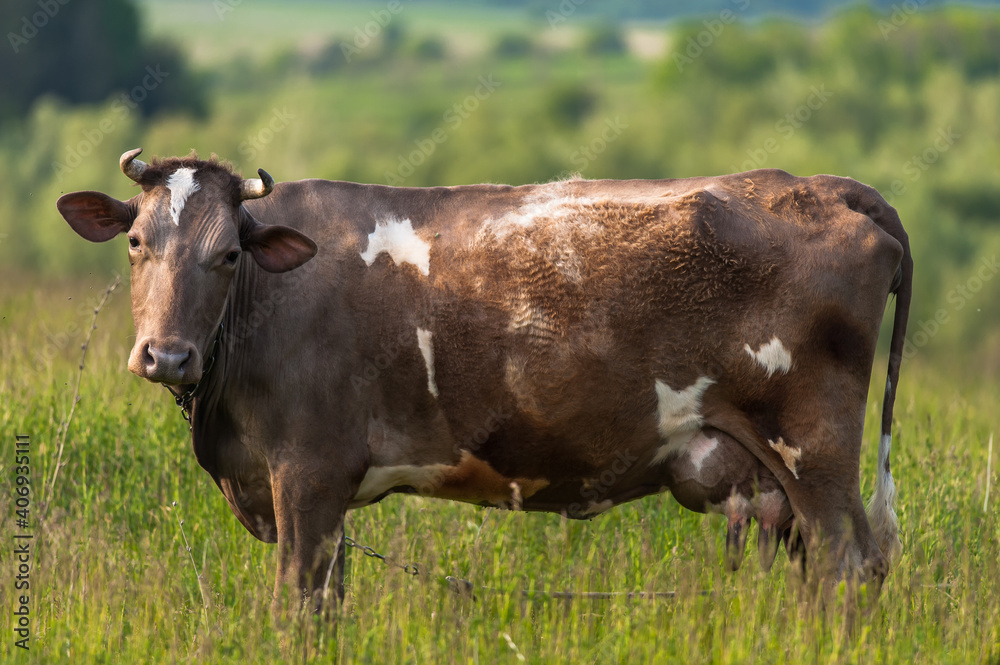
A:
{"x": 84, "y": 51}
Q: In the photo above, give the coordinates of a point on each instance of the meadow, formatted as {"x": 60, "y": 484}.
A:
{"x": 113, "y": 581}
{"x": 909, "y": 104}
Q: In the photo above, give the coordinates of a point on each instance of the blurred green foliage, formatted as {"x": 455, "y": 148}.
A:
{"x": 83, "y": 51}
{"x": 907, "y": 102}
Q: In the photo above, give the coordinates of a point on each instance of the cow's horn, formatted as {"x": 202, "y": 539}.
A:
{"x": 254, "y": 189}
{"x": 131, "y": 166}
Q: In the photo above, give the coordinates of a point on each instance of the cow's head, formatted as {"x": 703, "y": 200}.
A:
{"x": 187, "y": 233}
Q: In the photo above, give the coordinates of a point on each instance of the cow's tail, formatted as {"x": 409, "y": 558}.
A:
{"x": 881, "y": 510}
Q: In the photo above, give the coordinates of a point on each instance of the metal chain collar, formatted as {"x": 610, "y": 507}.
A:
{"x": 185, "y": 399}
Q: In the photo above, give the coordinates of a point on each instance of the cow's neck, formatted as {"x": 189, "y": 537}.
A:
{"x": 239, "y": 331}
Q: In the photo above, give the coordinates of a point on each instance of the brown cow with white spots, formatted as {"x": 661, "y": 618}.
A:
{"x": 562, "y": 347}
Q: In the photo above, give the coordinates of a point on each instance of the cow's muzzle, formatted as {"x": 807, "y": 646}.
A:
{"x": 169, "y": 361}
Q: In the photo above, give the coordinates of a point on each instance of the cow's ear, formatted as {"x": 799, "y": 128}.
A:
{"x": 96, "y": 216}
{"x": 275, "y": 248}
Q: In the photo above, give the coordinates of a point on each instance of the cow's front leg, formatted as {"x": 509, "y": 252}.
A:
{"x": 310, "y": 504}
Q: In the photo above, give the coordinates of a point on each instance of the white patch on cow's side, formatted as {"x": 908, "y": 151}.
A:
{"x": 427, "y": 351}
{"x": 380, "y": 479}
{"x": 181, "y": 184}
{"x": 679, "y": 415}
{"x": 399, "y": 240}
{"x": 699, "y": 449}
{"x": 598, "y": 507}
{"x": 552, "y": 206}
{"x": 790, "y": 455}
{"x": 773, "y": 357}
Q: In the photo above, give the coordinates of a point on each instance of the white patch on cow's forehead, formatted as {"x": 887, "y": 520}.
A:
{"x": 181, "y": 184}
{"x": 399, "y": 240}
{"x": 679, "y": 415}
{"x": 427, "y": 351}
{"x": 773, "y": 357}
{"x": 790, "y": 455}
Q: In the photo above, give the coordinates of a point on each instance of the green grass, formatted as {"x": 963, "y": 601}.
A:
{"x": 112, "y": 582}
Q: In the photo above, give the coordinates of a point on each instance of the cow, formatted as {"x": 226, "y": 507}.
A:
{"x": 561, "y": 347}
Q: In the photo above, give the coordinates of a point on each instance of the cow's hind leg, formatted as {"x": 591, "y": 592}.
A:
{"x": 821, "y": 463}
{"x": 813, "y": 451}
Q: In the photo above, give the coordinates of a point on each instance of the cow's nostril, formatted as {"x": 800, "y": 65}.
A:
{"x": 183, "y": 362}
{"x": 147, "y": 356}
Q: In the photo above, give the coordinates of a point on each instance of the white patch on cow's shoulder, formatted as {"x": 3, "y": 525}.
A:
{"x": 181, "y": 184}
{"x": 790, "y": 455}
{"x": 679, "y": 415}
{"x": 773, "y": 357}
{"x": 427, "y": 350}
{"x": 401, "y": 242}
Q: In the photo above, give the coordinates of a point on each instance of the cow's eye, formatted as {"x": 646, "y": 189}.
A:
{"x": 231, "y": 257}
{"x": 133, "y": 242}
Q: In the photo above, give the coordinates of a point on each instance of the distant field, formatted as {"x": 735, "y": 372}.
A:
{"x": 214, "y": 31}
{"x": 112, "y": 582}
